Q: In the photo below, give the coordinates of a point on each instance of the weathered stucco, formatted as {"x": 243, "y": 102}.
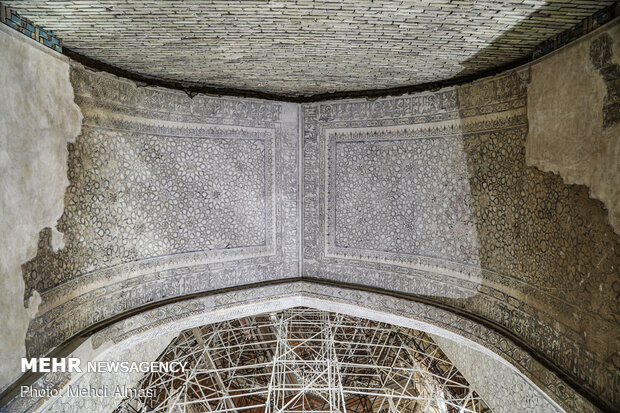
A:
{"x": 572, "y": 97}
{"x": 499, "y": 385}
{"x": 453, "y": 212}
{"x": 463, "y": 334}
{"x": 37, "y": 119}
{"x": 113, "y": 382}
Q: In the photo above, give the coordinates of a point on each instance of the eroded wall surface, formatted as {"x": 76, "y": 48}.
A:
{"x": 37, "y": 119}
{"x": 574, "y": 116}
{"x": 431, "y": 195}
{"x": 168, "y": 196}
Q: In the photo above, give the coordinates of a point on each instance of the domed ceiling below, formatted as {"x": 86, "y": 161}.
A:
{"x": 306, "y": 47}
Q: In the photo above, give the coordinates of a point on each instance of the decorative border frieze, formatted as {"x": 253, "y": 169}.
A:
{"x": 89, "y": 298}
{"x": 186, "y": 314}
{"x": 28, "y": 28}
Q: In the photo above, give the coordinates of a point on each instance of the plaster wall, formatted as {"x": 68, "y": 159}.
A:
{"x": 168, "y": 196}
{"x": 498, "y": 385}
{"x": 37, "y": 119}
{"x": 574, "y": 116}
{"x": 114, "y": 383}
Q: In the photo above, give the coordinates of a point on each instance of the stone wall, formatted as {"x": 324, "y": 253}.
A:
{"x": 37, "y": 119}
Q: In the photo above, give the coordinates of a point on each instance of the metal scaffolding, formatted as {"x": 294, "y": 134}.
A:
{"x": 305, "y": 360}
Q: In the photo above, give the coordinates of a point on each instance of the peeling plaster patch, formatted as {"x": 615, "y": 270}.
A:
{"x": 602, "y": 58}
{"x": 572, "y": 113}
{"x": 37, "y": 119}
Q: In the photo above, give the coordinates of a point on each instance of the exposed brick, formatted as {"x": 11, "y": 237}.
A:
{"x": 307, "y": 47}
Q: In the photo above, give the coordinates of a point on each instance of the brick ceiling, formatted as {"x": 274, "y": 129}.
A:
{"x": 306, "y": 47}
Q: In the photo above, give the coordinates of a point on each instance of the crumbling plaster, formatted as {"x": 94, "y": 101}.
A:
{"x": 37, "y": 119}
{"x": 568, "y": 133}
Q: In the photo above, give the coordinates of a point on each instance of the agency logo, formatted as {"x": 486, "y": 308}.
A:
{"x": 51, "y": 365}
{"x": 74, "y": 365}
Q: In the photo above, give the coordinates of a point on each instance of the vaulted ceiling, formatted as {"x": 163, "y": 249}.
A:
{"x": 306, "y": 47}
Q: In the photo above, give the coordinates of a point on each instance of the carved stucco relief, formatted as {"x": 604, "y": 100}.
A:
{"x": 175, "y": 195}
{"x": 507, "y": 243}
{"x": 170, "y": 319}
{"x": 544, "y": 266}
